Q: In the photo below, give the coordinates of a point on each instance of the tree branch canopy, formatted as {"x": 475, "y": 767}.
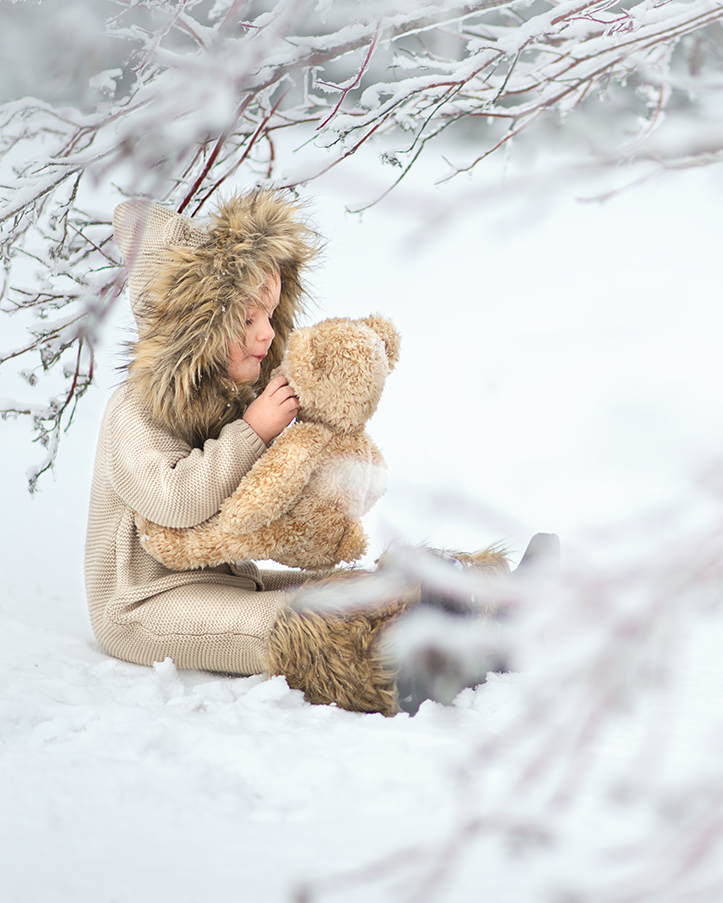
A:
{"x": 198, "y": 95}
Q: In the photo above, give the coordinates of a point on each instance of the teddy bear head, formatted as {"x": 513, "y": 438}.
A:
{"x": 338, "y": 369}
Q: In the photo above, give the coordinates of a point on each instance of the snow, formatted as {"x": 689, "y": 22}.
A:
{"x": 559, "y": 372}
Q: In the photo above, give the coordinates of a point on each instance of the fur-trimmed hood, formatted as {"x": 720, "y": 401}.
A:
{"x": 191, "y": 286}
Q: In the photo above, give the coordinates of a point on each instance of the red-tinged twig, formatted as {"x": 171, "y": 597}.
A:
{"x": 234, "y": 10}
{"x": 21, "y": 351}
{"x": 76, "y": 374}
{"x": 344, "y": 156}
{"x": 212, "y": 158}
{"x": 247, "y": 151}
{"x": 413, "y": 160}
{"x": 272, "y": 155}
{"x": 576, "y": 12}
{"x": 73, "y": 393}
{"x": 359, "y": 75}
{"x": 158, "y": 37}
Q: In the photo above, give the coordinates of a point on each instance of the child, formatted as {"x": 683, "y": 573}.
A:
{"x": 214, "y": 306}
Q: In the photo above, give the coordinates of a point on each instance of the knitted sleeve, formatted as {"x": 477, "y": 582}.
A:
{"x": 165, "y": 479}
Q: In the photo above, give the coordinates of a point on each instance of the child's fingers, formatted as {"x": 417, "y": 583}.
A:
{"x": 273, "y": 410}
{"x": 284, "y": 394}
{"x": 275, "y": 384}
{"x": 290, "y": 404}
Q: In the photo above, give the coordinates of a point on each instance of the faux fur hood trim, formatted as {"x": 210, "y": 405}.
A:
{"x": 191, "y": 288}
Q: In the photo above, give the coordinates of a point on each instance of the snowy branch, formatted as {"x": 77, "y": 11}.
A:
{"x": 204, "y": 96}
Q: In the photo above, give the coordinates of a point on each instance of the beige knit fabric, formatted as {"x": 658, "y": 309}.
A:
{"x": 144, "y": 232}
{"x": 140, "y": 611}
{"x": 147, "y": 460}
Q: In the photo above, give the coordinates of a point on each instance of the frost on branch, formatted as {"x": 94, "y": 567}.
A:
{"x": 177, "y": 101}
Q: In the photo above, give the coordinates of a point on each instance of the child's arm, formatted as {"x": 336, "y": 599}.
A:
{"x": 162, "y": 477}
{"x": 267, "y": 491}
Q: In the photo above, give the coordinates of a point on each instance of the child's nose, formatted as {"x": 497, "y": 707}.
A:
{"x": 267, "y": 332}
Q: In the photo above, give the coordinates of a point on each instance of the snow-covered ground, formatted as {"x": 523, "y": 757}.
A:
{"x": 557, "y": 373}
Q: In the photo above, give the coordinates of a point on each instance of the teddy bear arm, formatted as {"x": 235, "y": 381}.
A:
{"x": 276, "y": 481}
{"x": 185, "y": 548}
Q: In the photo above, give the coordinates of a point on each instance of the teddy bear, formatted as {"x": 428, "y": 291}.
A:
{"x": 302, "y": 501}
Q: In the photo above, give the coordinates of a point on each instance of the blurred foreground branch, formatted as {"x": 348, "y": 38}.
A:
{"x": 591, "y": 782}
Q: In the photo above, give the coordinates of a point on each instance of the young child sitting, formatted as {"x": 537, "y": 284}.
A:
{"x": 215, "y": 305}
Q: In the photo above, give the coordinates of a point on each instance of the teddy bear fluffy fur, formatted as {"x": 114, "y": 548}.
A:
{"x": 302, "y": 501}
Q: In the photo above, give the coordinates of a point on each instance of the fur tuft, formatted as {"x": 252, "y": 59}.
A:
{"x": 337, "y": 657}
{"x": 198, "y": 304}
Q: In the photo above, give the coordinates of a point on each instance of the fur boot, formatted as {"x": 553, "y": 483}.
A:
{"x": 339, "y": 655}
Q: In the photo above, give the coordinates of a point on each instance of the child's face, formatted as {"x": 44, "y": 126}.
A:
{"x": 245, "y": 357}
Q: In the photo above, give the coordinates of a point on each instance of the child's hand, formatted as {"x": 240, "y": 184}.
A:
{"x": 273, "y": 410}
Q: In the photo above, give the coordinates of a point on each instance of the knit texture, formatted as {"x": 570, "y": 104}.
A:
{"x": 145, "y": 233}
{"x": 140, "y": 610}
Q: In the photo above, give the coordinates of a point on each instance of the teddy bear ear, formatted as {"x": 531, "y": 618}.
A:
{"x": 387, "y": 332}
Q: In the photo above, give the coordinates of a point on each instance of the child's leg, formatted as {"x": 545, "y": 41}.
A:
{"x": 211, "y": 627}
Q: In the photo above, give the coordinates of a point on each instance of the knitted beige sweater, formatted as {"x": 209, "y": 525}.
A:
{"x": 141, "y": 611}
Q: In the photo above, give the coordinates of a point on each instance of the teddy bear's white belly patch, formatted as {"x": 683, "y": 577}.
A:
{"x": 351, "y": 483}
